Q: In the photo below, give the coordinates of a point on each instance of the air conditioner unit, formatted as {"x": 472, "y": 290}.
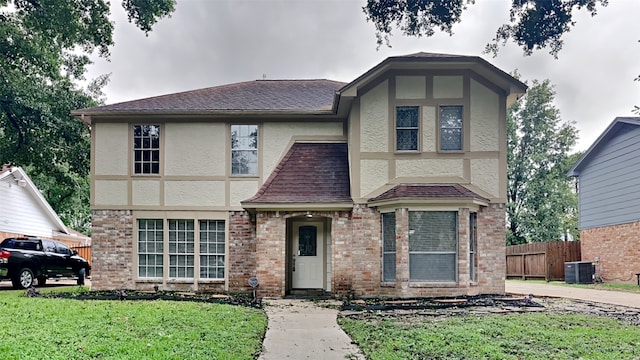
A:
{"x": 579, "y": 272}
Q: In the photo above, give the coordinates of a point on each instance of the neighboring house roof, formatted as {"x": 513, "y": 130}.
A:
{"x": 428, "y": 191}
{"x": 297, "y": 97}
{"x": 258, "y": 95}
{"x": 616, "y": 125}
{"x": 18, "y": 181}
{"x": 316, "y": 173}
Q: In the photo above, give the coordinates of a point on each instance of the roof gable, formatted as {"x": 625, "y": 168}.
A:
{"x": 616, "y": 125}
{"x": 308, "y": 173}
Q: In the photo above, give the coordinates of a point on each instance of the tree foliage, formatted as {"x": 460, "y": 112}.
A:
{"x": 45, "y": 47}
{"x": 541, "y": 204}
{"x": 533, "y": 25}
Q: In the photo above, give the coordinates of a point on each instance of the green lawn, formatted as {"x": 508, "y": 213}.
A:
{"x": 515, "y": 336}
{"x": 45, "y": 328}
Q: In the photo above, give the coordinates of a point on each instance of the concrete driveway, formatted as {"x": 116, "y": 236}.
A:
{"x": 569, "y": 292}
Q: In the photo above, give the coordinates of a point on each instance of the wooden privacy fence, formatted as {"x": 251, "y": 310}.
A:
{"x": 84, "y": 251}
{"x": 543, "y": 260}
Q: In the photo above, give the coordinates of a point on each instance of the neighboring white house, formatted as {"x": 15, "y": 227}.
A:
{"x": 25, "y": 212}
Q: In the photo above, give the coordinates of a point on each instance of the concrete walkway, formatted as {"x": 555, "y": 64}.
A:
{"x": 569, "y": 292}
{"x": 304, "y": 329}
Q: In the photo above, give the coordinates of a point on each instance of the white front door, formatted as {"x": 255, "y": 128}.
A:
{"x": 308, "y": 255}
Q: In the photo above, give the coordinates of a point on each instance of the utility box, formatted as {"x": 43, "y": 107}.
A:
{"x": 579, "y": 272}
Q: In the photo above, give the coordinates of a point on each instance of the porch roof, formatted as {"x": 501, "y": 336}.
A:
{"x": 312, "y": 173}
{"x": 428, "y": 191}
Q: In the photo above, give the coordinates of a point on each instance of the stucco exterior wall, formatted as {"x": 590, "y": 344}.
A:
{"x": 145, "y": 192}
{"x": 411, "y": 87}
{"x": 374, "y": 174}
{"x": 242, "y": 190}
{"x": 111, "y": 192}
{"x": 484, "y": 122}
{"x": 429, "y": 135}
{"x": 194, "y": 193}
{"x": 448, "y": 87}
{"x": 430, "y": 168}
{"x": 111, "y": 150}
{"x": 276, "y": 136}
{"x": 195, "y": 149}
{"x": 485, "y": 174}
{"x": 374, "y": 119}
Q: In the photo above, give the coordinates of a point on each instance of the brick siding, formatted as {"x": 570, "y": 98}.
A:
{"x": 242, "y": 250}
{"x": 112, "y": 250}
{"x": 617, "y": 249}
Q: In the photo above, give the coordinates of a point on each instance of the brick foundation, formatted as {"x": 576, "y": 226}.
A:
{"x": 616, "y": 248}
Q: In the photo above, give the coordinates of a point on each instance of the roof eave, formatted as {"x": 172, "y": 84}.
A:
{"x": 297, "y": 206}
{"x": 423, "y": 200}
{"x": 575, "y": 169}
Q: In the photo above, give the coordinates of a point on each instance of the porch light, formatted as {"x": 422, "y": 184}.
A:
{"x": 309, "y": 215}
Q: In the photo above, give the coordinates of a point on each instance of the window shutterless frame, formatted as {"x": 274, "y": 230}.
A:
{"x": 388, "y": 246}
{"x": 450, "y": 128}
{"x": 244, "y": 150}
{"x": 146, "y": 149}
{"x": 407, "y": 126}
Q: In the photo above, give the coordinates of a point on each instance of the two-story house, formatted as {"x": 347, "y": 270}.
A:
{"x": 391, "y": 185}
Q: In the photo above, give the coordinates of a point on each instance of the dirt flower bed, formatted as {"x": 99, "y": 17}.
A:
{"x": 415, "y": 310}
{"x": 242, "y": 299}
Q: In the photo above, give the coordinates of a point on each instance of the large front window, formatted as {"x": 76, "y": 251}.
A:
{"x": 407, "y": 128}
{"x": 146, "y": 149}
{"x": 433, "y": 244}
{"x": 451, "y": 128}
{"x": 190, "y": 247}
{"x": 244, "y": 149}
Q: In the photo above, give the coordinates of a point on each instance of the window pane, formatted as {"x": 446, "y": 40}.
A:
{"x": 432, "y": 267}
{"x": 407, "y": 140}
{"x": 389, "y": 267}
{"x": 146, "y": 149}
{"x": 212, "y": 248}
{"x": 407, "y": 116}
{"x": 451, "y": 127}
{"x": 150, "y": 238}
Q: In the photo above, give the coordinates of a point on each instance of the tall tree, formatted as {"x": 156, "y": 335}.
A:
{"x": 534, "y": 24}
{"x": 44, "y": 51}
{"x": 541, "y": 202}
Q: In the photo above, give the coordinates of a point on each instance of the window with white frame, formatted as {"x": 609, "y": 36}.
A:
{"x": 212, "y": 249}
{"x": 451, "y": 128}
{"x": 181, "y": 243}
{"x": 433, "y": 244}
{"x": 473, "y": 244}
{"x": 244, "y": 149}
{"x": 146, "y": 149}
{"x": 150, "y": 248}
{"x": 389, "y": 247}
{"x": 181, "y": 248}
{"x": 407, "y": 128}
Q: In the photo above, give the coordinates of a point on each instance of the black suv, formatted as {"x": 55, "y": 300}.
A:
{"x": 24, "y": 259}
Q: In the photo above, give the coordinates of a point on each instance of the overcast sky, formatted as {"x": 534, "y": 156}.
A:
{"x": 213, "y": 42}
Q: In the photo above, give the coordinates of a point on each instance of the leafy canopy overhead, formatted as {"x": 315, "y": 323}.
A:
{"x": 534, "y": 24}
{"x": 45, "y": 47}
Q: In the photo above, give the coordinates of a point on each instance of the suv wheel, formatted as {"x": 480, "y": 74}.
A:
{"x": 24, "y": 280}
{"x": 81, "y": 275}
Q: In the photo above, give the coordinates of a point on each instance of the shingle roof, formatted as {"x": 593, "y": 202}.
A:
{"x": 309, "y": 173}
{"x": 427, "y": 191}
{"x": 258, "y": 95}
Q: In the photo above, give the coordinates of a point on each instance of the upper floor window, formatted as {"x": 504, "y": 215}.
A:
{"x": 451, "y": 128}
{"x": 244, "y": 149}
{"x": 146, "y": 149}
{"x": 407, "y": 128}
